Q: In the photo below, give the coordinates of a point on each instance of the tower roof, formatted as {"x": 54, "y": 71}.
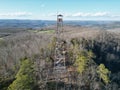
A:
{"x": 60, "y": 15}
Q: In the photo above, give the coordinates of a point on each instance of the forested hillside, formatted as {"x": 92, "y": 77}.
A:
{"x": 94, "y": 54}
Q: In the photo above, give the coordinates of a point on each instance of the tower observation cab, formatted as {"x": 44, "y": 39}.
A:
{"x": 60, "y": 18}
{"x": 59, "y": 25}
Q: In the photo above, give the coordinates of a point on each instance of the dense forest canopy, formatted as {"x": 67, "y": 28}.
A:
{"x": 94, "y": 53}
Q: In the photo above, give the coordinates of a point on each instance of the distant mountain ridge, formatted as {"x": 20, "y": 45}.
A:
{"x": 37, "y": 24}
{"x": 22, "y": 23}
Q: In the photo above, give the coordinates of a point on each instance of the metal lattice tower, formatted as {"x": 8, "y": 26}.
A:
{"x": 59, "y": 62}
{"x": 60, "y": 47}
{"x": 59, "y": 72}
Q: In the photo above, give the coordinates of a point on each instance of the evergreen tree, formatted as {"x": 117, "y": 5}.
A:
{"x": 104, "y": 72}
{"x": 83, "y": 60}
{"x": 24, "y": 78}
{"x": 81, "y": 63}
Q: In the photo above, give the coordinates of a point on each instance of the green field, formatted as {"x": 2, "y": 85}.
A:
{"x": 42, "y": 31}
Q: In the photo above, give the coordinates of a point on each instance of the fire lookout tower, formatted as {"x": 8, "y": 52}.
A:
{"x": 59, "y": 73}
{"x": 59, "y": 61}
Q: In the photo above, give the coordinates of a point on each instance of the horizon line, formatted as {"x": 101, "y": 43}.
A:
{"x": 56, "y": 19}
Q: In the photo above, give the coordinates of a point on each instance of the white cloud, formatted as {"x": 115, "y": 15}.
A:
{"x": 15, "y": 14}
{"x": 100, "y": 14}
{"x": 97, "y": 14}
{"x": 82, "y": 14}
{"x": 113, "y": 16}
{"x": 85, "y": 16}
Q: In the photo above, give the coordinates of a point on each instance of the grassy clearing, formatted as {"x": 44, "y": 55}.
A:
{"x": 42, "y": 31}
{"x": 1, "y": 39}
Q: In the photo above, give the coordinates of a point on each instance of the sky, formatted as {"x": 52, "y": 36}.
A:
{"x": 71, "y": 9}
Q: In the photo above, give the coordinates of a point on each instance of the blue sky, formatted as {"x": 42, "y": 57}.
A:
{"x": 71, "y": 9}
